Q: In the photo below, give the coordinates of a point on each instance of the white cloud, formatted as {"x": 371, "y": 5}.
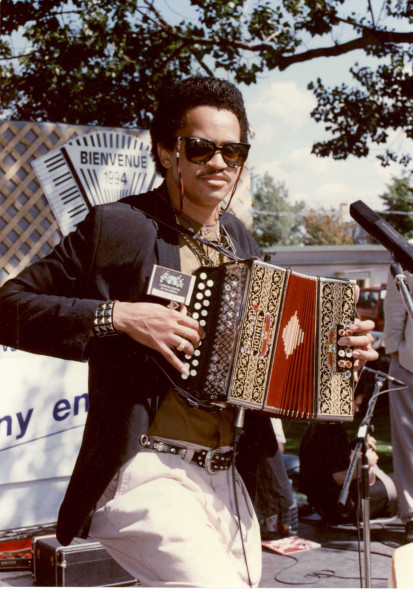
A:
{"x": 338, "y": 190}
{"x": 279, "y": 112}
{"x": 301, "y": 159}
{"x": 282, "y": 99}
{"x": 273, "y": 167}
{"x": 278, "y": 108}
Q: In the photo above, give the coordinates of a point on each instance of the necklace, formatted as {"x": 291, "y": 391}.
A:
{"x": 207, "y": 256}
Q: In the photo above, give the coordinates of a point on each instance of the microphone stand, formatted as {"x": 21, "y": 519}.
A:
{"x": 361, "y": 447}
{"x": 362, "y": 435}
{"x": 400, "y": 280}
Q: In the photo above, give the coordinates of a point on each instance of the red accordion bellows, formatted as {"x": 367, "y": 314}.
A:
{"x": 292, "y": 380}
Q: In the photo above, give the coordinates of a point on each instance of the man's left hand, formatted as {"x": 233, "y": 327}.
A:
{"x": 361, "y": 341}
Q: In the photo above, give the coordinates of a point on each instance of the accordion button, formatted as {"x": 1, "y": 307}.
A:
{"x": 208, "y": 293}
{"x": 206, "y": 303}
{"x": 201, "y": 285}
{"x": 195, "y": 362}
{"x": 197, "y": 306}
{"x": 197, "y": 352}
{"x": 199, "y": 296}
{"x": 204, "y": 313}
{"x": 341, "y": 353}
{"x": 210, "y": 283}
{"x": 202, "y": 322}
{"x": 195, "y": 315}
{"x": 193, "y": 372}
{"x": 203, "y": 276}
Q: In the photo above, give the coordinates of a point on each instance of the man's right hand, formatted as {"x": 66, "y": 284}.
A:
{"x": 160, "y": 328}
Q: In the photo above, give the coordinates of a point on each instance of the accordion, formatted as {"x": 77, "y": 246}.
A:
{"x": 271, "y": 341}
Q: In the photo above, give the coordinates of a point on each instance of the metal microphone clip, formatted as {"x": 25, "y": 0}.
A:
{"x": 385, "y": 376}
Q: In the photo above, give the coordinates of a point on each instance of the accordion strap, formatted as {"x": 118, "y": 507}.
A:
{"x": 182, "y": 230}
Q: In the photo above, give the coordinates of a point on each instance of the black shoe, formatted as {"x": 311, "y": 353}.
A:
{"x": 408, "y": 528}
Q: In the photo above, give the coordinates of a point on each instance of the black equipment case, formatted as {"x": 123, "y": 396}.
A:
{"x": 81, "y": 564}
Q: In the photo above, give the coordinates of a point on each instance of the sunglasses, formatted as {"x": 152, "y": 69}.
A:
{"x": 199, "y": 150}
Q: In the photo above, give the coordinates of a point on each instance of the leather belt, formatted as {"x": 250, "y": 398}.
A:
{"x": 212, "y": 460}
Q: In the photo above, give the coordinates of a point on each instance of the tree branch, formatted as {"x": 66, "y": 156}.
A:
{"x": 371, "y": 12}
{"x": 369, "y": 37}
{"x": 201, "y": 63}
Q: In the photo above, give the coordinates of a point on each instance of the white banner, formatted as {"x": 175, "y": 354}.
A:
{"x": 43, "y": 409}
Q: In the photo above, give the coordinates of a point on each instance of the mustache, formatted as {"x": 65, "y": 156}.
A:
{"x": 212, "y": 171}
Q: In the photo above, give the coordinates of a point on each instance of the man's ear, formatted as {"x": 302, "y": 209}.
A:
{"x": 165, "y": 155}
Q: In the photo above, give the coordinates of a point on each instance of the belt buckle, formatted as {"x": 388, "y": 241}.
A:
{"x": 208, "y": 461}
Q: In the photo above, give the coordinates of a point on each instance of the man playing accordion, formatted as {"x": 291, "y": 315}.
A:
{"x": 142, "y": 484}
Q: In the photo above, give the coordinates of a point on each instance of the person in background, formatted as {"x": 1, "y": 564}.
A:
{"x": 398, "y": 339}
{"x": 325, "y": 454}
{"x": 291, "y": 461}
{"x": 284, "y": 523}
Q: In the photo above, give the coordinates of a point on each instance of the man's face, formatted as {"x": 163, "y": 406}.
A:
{"x": 205, "y": 185}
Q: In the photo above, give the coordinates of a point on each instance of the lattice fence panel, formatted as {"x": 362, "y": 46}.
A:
{"x": 28, "y": 228}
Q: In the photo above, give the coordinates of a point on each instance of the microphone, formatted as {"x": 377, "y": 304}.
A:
{"x": 379, "y": 229}
{"x": 239, "y": 425}
{"x": 388, "y": 377}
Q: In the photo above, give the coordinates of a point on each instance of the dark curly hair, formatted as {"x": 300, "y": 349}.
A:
{"x": 178, "y": 98}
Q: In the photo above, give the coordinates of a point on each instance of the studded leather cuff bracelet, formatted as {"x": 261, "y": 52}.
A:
{"x": 103, "y": 322}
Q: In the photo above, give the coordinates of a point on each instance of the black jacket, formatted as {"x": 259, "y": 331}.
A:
{"x": 49, "y": 309}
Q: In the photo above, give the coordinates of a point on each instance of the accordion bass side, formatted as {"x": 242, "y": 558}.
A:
{"x": 271, "y": 341}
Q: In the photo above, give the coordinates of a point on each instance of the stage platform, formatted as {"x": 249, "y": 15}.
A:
{"x": 335, "y": 564}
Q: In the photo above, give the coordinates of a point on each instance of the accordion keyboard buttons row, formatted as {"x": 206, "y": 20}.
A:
{"x": 201, "y": 313}
{"x": 345, "y": 353}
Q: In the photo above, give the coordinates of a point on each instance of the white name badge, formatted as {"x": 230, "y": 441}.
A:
{"x": 171, "y": 285}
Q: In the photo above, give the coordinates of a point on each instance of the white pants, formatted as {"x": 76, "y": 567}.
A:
{"x": 171, "y": 523}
